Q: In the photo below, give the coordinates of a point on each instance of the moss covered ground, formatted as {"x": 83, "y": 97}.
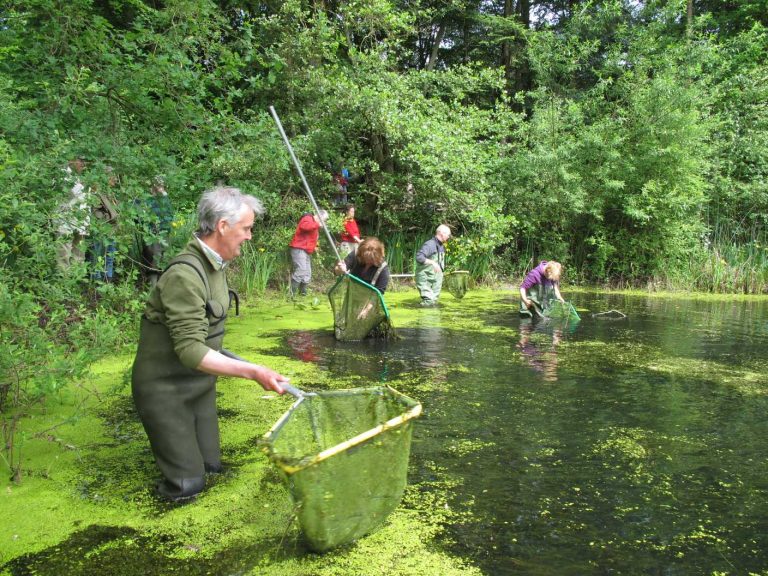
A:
{"x": 85, "y": 503}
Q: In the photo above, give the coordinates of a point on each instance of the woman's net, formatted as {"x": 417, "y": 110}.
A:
{"x": 562, "y": 311}
{"x": 358, "y": 309}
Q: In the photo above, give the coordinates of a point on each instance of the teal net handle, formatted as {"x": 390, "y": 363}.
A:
{"x": 364, "y": 283}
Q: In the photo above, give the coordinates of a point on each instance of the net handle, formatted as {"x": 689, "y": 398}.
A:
{"x": 292, "y": 390}
{"x": 307, "y": 189}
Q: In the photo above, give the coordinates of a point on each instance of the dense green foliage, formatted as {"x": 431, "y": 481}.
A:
{"x": 627, "y": 139}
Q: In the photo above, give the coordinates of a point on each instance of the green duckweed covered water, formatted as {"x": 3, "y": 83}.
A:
{"x": 629, "y": 446}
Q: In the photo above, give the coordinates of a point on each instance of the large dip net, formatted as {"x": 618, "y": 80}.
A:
{"x": 546, "y": 305}
{"x": 344, "y": 457}
{"x": 562, "y": 311}
{"x": 457, "y": 283}
{"x": 542, "y": 297}
{"x": 358, "y": 310}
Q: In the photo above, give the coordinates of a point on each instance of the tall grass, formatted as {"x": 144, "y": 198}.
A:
{"x": 726, "y": 265}
{"x": 255, "y": 268}
{"x": 735, "y": 268}
{"x": 396, "y": 248}
{"x": 478, "y": 265}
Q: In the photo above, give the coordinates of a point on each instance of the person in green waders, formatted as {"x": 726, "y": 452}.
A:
{"x": 178, "y": 357}
{"x": 430, "y": 266}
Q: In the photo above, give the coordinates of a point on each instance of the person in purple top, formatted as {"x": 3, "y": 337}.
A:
{"x": 540, "y": 286}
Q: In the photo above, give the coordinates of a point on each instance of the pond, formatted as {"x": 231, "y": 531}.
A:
{"x": 610, "y": 446}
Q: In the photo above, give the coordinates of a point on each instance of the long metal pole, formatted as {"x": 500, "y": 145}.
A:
{"x": 303, "y": 180}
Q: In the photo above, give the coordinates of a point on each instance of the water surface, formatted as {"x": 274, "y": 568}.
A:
{"x": 612, "y": 446}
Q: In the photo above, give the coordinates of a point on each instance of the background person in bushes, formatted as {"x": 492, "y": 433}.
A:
{"x": 350, "y": 236}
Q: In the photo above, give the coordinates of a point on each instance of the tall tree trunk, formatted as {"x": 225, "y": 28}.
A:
{"x": 523, "y": 70}
{"x": 436, "y": 46}
{"x": 518, "y": 76}
{"x": 465, "y": 23}
{"x": 506, "y": 47}
{"x": 689, "y": 18}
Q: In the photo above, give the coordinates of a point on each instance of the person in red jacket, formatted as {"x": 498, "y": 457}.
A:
{"x": 302, "y": 246}
{"x": 350, "y": 237}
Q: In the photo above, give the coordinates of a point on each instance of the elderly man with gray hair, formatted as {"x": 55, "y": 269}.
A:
{"x": 179, "y": 355}
{"x": 430, "y": 265}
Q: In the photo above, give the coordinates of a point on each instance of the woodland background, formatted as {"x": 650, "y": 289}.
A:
{"x": 626, "y": 138}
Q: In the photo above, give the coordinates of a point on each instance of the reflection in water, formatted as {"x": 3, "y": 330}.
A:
{"x": 429, "y": 346}
{"x": 376, "y": 361}
{"x": 540, "y": 353}
{"x": 303, "y": 346}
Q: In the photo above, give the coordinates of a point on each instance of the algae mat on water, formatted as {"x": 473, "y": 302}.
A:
{"x": 85, "y": 503}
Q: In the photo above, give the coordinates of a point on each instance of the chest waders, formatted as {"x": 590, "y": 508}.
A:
{"x": 428, "y": 282}
{"x": 176, "y": 404}
{"x": 542, "y": 297}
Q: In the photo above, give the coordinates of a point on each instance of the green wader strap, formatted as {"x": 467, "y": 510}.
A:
{"x": 196, "y": 264}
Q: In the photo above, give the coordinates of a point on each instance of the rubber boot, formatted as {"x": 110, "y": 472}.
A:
{"x": 181, "y": 489}
{"x": 294, "y": 288}
{"x": 303, "y": 288}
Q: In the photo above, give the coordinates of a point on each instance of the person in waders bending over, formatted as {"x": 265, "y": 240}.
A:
{"x": 540, "y": 287}
{"x": 178, "y": 357}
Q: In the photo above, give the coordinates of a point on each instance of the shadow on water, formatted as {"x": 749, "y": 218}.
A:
{"x": 618, "y": 445}
{"x": 109, "y": 551}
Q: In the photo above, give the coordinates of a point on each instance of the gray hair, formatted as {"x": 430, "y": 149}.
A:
{"x": 224, "y": 203}
{"x": 443, "y": 229}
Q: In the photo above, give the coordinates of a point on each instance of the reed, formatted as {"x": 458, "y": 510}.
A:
{"x": 256, "y": 266}
{"x": 396, "y": 245}
{"x": 725, "y": 264}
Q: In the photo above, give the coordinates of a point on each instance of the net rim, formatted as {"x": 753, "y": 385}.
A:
{"x": 414, "y": 410}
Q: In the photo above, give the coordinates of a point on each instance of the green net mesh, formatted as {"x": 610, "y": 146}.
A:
{"x": 561, "y": 310}
{"x": 457, "y": 282}
{"x": 358, "y": 308}
{"x": 542, "y": 296}
{"x": 546, "y": 305}
{"x": 344, "y": 456}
